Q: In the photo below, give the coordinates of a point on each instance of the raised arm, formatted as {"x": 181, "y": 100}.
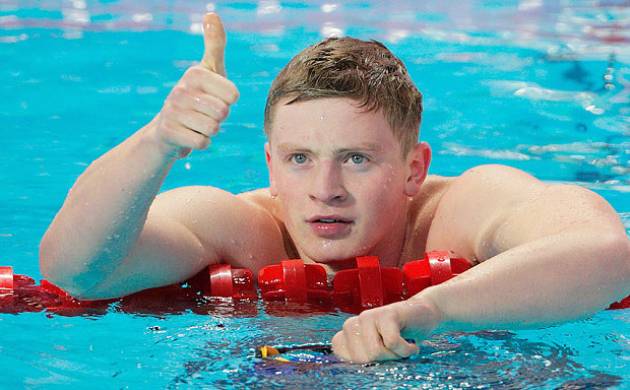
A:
{"x": 110, "y": 238}
{"x": 546, "y": 253}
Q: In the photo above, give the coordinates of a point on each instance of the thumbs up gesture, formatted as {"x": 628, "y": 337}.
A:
{"x": 201, "y": 99}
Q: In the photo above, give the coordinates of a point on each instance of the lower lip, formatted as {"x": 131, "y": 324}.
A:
{"x": 330, "y": 230}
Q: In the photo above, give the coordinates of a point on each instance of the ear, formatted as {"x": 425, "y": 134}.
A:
{"x": 418, "y": 162}
{"x": 272, "y": 183}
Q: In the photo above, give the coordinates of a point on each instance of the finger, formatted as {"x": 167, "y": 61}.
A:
{"x": 363, "y": 342}
{"x": 184, "y": 100}
{"x": 339, "y": 346}
{"x": 180, "y": 135}
{"x": 213, "y": 84}
{"x": 214, "y": 43}
{"x": 393, "y": 341}
{"x": 211, "y": 106}
{"x": 197, "y": 122}
{"x": 372, "y": 343}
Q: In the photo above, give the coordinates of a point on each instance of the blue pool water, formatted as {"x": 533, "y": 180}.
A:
{"x": 540, "y": 85}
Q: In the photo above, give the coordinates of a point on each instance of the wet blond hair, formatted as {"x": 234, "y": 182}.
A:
{"x": 365, "y": 71}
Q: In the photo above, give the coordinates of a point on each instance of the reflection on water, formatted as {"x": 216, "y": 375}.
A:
{"x": 489, "y": 360}
{"x": 566, "y": 30}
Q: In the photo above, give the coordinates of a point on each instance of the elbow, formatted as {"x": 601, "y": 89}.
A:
{"x": 55, "y": 268}
{"x": 48, "y": 250}
{"x": 625, "y": 256}
{"x": 615, "y": 255}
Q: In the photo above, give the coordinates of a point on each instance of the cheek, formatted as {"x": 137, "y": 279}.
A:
{"x": 383, "y": 198}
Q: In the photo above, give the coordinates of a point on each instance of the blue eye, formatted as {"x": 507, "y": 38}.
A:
{"x": 298, "y": 158}
{"x": 358, "y": 159}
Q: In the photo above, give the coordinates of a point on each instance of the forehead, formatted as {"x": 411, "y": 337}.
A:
{"x": 329, "y": 120}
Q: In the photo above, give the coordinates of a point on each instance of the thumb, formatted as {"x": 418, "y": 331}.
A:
{"x": 214, "y": 44}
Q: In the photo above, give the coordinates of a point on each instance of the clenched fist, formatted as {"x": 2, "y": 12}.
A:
{"x": 201, "y": 99}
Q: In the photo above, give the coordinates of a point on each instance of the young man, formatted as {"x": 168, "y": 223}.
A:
{"x": 347, "y": 178}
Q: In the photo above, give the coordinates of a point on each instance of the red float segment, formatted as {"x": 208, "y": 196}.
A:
{"x": 6, "y": 280}
{"x": 367, "y": 286}
{"x": 293, "y": 281}
{"x": 440, "y": 264}
{"x": 370, "y": 283}
{"x": 225, "y": 281}
{"x": 437, "y": 267}
{"x": 221, "y": 280}
{"x": 459, "y": 266}
{"x": 622, "y": 304}
{"x": 294, "y": 275}
{"x": 354, "y": 290}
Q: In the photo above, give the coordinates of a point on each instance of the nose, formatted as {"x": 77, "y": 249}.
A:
{"x": 327, "y": 184}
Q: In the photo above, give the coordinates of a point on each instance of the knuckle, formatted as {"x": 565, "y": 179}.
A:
{"x": 223, "y": 110}
{"x": 367, "y": 315}
{"x": 212, "y": 127}
{"x": 233, "y": 93}
{"x": 349, "y": 324}
{"x": 178, "y": 90}
{"x": 193, "y": 71}
{"x": 337, "y": 340}
{"x": 201, "y": 142}
{"x": 177, "y": 94}
{"x": 235, "y": 96}
{"x": 364, "y": 315}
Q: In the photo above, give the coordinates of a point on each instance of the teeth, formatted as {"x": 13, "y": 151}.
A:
{"x": 325, "y": 220}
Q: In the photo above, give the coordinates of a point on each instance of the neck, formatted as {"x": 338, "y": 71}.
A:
{"x": 390, "y": 248}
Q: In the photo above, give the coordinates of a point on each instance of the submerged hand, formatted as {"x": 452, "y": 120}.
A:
{"x": 376, "y": 334}
{"x": 201, "y": 99}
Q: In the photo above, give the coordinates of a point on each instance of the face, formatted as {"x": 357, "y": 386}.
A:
{"x": 340, "y": 178}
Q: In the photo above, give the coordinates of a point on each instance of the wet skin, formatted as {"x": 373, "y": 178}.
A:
{"x": 342, "y": 182}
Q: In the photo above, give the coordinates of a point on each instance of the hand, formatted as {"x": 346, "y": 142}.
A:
{"x": 376, "y": 334}
{"x": 201, "y": 99}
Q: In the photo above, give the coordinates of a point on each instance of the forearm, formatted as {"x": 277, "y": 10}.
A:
{"x": 550, "y": 280}
{"x": 105, "y": 211}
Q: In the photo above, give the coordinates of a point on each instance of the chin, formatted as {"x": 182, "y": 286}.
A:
{"x": 330, "y": 252}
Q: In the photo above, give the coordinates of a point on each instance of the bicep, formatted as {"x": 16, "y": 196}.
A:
{"x": 558, "y": 209}
{"x": 491, "y": 209}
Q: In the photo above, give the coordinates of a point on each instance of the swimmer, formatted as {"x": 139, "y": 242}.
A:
{"x": 347, "y": 177}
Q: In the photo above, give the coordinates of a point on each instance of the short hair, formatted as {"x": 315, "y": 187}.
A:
{"x": 365, "y": 71}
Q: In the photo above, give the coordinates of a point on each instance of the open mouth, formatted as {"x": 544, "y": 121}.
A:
{"x": 330, "y": 226}
{"x": 330, "y": 220}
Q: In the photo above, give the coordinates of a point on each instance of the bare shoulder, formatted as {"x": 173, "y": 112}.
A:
{"x": 240, "y": 228}
{"x": 262, "y": 198}
{"x": 491, "y": 208}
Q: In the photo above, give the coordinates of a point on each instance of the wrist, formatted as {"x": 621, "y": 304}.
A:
{"x": 421, "y": 313}
{"x": 166, "y": 151}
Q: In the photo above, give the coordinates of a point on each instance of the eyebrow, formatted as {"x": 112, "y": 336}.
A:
{"x": 366, "y": 146}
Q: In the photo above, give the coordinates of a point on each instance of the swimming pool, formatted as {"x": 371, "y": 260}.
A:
{"x": 542, "y": 86}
